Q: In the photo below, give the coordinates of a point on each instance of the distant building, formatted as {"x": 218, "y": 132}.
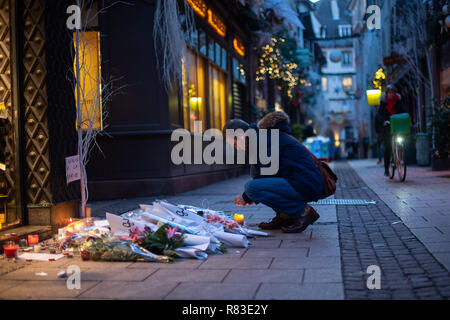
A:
{"x": 337, "y": 116}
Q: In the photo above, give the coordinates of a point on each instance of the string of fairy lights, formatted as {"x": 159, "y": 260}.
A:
{"x": 272, "y": 65}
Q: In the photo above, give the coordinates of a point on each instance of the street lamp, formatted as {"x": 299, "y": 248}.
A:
{"x": 373, "y": 97}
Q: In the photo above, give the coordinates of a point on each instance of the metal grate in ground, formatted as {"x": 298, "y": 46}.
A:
{"x": 344, "y": 202}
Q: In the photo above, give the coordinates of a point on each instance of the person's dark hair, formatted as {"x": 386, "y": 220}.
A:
{"x": 235, "y": 124}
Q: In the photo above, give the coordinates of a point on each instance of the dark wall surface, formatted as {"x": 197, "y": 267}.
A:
{"x": 138, "y": 114}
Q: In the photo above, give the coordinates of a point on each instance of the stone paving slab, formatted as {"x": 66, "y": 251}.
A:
{"x": 265, "y": 276}
{"x": 309, "y": 291}
{"x": 306, "y": 263}
{"x": 214, "y": 291}
{"x": 143, "y": 290}
{"x": 44, "y": 289}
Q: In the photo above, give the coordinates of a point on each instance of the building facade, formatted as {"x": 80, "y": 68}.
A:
{"x": 337, "y": 117}
{"x": 38, "y": 125}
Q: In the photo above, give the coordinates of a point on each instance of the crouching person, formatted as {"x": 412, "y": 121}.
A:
{"x": 297, "y": 182}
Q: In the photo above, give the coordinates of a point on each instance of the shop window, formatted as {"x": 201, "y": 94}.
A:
{"x": 211, "y": 47}
{"x": 217, "y": 97}
{"x": 239, "y": 71}
{"x": 90, "y": 90}
{"x": 193, "y": 90}
{"x": 218, "y": 58}
{"x": 224, "y": 59}
{"x": 202, "y": 42}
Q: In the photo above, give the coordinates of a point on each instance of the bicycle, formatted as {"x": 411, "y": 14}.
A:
{"x": 398, "y": 162}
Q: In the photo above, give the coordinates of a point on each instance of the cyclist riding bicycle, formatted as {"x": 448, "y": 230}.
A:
{"x": 391, "y": 104}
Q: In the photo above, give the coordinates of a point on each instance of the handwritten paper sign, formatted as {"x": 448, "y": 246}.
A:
{"x": 73, "y": 172}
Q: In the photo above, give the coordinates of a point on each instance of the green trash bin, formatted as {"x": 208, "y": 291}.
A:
{"x": 401, "y": 124}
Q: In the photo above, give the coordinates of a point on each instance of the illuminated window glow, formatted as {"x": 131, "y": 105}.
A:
{"x": 193, "y": 83}
{"x": 90, "y": 80}
{"x": 217, "y": 23}
{"x": 324, "y": 84}
{"x": 347, "y": 83}
{"x": 239, "y": 46}
{"x": 199, "y": 7}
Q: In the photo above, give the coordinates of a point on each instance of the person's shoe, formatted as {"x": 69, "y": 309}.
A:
{"x": 309, "y": 216}
{"x": 386, "y": 173}
{"x": 379, "y": 162}
{"x": 279, "y": 221}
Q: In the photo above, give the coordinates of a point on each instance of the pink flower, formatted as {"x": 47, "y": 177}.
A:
{"x": 171, "y": 232}
{"x": 136, "y": 235}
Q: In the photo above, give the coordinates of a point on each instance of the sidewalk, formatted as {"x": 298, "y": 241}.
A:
{"x": 284, "y": 266}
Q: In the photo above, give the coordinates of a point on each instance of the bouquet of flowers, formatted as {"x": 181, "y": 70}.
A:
{"x": 227, "y": 223}
{"x": 78, "y": 231}
{"x": 97, "y": 249}
{"x": 163, "y": 241}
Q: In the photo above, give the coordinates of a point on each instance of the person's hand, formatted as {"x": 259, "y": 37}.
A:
{"x": 240, "y": 202}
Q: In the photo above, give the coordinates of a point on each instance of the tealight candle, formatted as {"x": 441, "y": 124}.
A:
{"x": 33, "y": 239}
{"x": 10, "y": 250}
{"x": 239, "y": 218}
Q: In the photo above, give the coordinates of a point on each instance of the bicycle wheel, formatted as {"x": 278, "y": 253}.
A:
{"x": 392, "y": 164}
{"x": 401, "y": 162}
{"x": 392, "y": 169}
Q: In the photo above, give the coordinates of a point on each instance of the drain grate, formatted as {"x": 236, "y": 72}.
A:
{"x": 345, "y": 202}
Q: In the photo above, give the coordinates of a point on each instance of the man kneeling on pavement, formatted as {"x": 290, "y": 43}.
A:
{"x": 297, "y": 182}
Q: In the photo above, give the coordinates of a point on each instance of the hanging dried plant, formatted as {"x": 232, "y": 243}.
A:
{"x": 170, "y": 43}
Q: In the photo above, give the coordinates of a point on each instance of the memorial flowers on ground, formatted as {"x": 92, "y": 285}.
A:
{"x": 161, "y": 232}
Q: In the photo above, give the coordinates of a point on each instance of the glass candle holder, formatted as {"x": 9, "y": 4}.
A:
{"x": 10, "y": 249}
{"x": 33, "y": 239}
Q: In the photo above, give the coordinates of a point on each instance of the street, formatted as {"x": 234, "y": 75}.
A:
{"x": 406, "y": 234}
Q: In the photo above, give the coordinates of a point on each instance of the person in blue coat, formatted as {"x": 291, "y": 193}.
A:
{"x": 297, "y": 182}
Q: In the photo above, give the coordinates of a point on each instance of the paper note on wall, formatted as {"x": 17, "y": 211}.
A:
{"x": 73, "y": 172}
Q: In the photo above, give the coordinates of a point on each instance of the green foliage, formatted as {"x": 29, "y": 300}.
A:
{"x": 159, "y": 242}
{"x": 441, "y": 124}
{"x": 297, "y": 131}
{"x": 98, "y": 250}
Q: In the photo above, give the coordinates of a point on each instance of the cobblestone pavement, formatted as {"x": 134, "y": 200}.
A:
{"x": 422, "y": 202}
{"x": 375, "y": 235}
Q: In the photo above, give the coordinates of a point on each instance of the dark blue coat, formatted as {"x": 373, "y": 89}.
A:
{"x": 296, "y": 166}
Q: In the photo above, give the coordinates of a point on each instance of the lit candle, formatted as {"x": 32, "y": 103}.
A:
{"x": 33, "y": 239}
{"x": 10, "y": 250}
{"x": 239, "y": 218}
